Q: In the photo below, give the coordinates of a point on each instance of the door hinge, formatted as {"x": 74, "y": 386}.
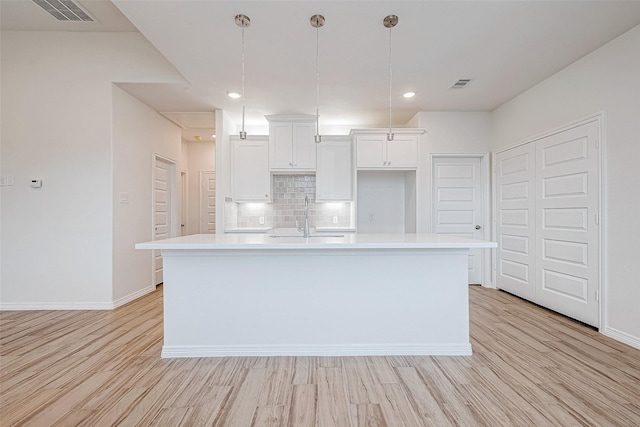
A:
{"x": 597, "y": 142}
{"x": 597, "y": 219}
{"x": 598, "y": 296}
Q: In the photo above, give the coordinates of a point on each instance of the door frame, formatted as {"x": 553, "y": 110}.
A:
{"x": 598, "y": 117}
{"x": 173, "y": 203}
{"x": 487, "y": 279}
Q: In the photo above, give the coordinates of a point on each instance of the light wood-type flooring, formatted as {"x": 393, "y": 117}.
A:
{"x": 102, "y": 368}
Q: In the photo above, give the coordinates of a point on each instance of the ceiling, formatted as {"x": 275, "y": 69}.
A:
{"x": 504, "y": 47}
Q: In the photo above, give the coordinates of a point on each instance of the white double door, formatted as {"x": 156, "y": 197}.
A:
{"x": 547, "y": 206}
{"x": 458, "y": 185}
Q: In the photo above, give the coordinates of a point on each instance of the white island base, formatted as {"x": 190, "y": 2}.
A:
{"x": 234, "y": 295}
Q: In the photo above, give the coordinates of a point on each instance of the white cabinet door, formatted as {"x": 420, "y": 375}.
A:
{"x": 281, "y": 145}
{"x": 371, "y": 150}
{"x": 292, "y": 145}
{"x": 374, "y": 151}
{"x": 402, "y": 152}
{"x": 334, "y": 175}
{"x": 251, "y": 178}
{"x": 304, "y": 146}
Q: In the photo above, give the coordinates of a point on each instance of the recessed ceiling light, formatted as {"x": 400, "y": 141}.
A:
{"x": 409, "y": 94}
{"x": 233, "y": 95}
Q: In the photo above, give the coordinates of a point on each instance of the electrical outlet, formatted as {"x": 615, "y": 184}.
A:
{"x": 335, "y": 219}
{"x": 11, "y": 180}
{"x": 261, "y": 220}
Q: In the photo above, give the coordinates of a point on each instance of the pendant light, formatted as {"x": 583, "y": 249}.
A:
{"x": 317, "y": 21}
{"x": 243, "y": 22}
{"x": 389, "y": 22}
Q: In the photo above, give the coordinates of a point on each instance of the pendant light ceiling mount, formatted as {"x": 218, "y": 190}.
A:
{"x": 317, "y": 21}
{"x": 390, "y": 21}
{"x": 243, "y": 22}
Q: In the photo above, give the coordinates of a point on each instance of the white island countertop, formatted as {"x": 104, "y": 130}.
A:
{"x": 316, "y": 241}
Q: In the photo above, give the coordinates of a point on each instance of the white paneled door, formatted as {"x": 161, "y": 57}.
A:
{"x": 207, "y": 202}
{"x": 547, "y": 206}
{"x": 567, "y": 201}
{"x": 515, "y": 220}
{"x": 162, "y": 208}
{"x": 458, "y": 203}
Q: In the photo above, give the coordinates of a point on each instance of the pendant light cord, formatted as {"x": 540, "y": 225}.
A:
{"x": 390, "y": 134}
{"x": 244, "y": 102}
{"x": 317, "y": 137}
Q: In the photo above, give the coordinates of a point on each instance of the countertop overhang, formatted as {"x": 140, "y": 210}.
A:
{"x": 348, "y": 241}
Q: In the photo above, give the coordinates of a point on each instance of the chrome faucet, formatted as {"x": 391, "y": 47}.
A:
{"x": 306, "y": 217}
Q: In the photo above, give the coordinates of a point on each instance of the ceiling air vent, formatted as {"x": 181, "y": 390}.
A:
{"x": 64, "y": 10}
{"x": 460, "y": 84}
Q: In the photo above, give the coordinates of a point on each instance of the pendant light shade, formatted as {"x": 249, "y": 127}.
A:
{"x": 317, "y": 21}
{"x": 389, "y": 22}
{"x": 243, "y": 22}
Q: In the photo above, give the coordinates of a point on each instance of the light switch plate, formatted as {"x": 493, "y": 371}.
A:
{"x": 3, "y": 180}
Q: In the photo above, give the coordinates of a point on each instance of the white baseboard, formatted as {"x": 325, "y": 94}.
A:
{"x": 318, "y": 350}
{"x": 128, "y": 298}
{"x": 31, "y": 306}
{"x": 26, "y": 306}
{"x": 622, "y": 337}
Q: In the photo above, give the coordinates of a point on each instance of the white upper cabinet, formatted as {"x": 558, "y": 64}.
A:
{"x": 334, "y": 175}
{"x": 291, "y": 143}
{"x": 374, "y": 151}
{"x": 251, "y": 179}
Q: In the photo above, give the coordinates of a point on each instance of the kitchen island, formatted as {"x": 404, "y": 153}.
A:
{"x": 358, "y": 294}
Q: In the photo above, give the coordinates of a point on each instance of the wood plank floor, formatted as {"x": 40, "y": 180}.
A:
{"x": 102, "y": 368}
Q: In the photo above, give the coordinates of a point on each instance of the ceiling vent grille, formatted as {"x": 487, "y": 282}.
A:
{"x": 64, "y": 10}
{"x": 461, "y": 83}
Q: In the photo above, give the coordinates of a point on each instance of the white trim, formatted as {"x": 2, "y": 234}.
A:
{"x": 487, "y": 226}
{"x": 588, "y": 119}
{"x": 29, "y": 306}
{"x": 444, "y": 349}
{"x": 49, "y": 306}
{"x": 133, "y": 296}
{"x": 624, "y": 337}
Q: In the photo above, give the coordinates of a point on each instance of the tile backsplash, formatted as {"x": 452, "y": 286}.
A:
{"x": 289, "y": 192}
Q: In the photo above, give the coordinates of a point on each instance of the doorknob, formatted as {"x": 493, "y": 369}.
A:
{"x": 478, "y": 227}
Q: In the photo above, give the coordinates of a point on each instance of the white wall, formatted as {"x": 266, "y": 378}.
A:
{"x": 447, "y": 132}
{"x": 138, "y": 134}
{"x": 202, "y": 157}
{"x": 603, "y": 81}
{"x": 56, "y": 247}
